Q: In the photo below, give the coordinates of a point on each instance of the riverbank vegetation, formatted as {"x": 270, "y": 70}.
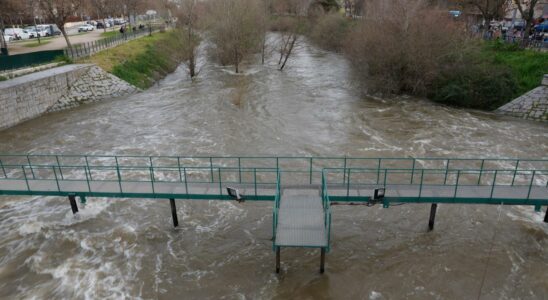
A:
{"x": 142, "y": 61}
{"x": 410, "y": 47}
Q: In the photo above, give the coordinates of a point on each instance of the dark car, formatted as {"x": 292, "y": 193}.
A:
{"x": 542, "y": 27}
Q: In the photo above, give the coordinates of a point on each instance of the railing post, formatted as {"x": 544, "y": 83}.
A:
{"x": 59, "y": 166}
{"x": 344, "y": 168}
{"x": 118, "y": 172}
{"x": 186, "y": 182}
{"x": 56, "y": 179}
{"x": 211, "y": 168}
{"x": 310, "y": 170}
{"x": 3, "y": 170}
{"x": 220, "y": 182}
{"x": 239, "y": 169}
{"x": 494, "y": 183}
{"x": 348, "y": 184}
{"x": 26, "y": 179}
{"x": 179, "y": 167}
{"x": 30, "y": 166}
{"x": 531, "y": 185}
{"x": 379, "y": 172}
{"x": 515, "y": 171}
{"x": 413, "y": 172}
{"x": 152, "y": 178}
{"x": 481, "y": 171}
{"x": 420, "y": 187}
{"x": 255, "y": 180}
{"x": 456, "y": 184}
{"x": 89, "y": 170}
{"x": 87, "y": 179}
{"x": 446, "y": 170}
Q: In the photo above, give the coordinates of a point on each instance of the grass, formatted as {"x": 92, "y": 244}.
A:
{"x": 36, "y": 44}
{"x": 109, "y": 33}
{"x": 527, "y": 66}
{"x": 141, "y": 61}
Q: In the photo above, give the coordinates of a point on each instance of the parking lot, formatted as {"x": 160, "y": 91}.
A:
{"x": 57, "y": 42}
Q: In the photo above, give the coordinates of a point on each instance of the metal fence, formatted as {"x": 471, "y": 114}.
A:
{"x": 90, "y": 48}
{"x": 18, "y": 61}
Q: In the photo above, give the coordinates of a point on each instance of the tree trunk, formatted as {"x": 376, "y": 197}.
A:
{"x": 293, "y": 41}
{"x": 104, "y": 26}
{"x": 69, "y": 45}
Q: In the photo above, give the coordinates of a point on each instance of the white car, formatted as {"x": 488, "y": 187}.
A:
{"x": 31, "y": 30}
{"x": 86, "y": 28}
{"x": 8, "y": 38}
{"x": 17, "y": 33}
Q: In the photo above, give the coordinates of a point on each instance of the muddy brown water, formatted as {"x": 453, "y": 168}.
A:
{"x": 127, "y": 248}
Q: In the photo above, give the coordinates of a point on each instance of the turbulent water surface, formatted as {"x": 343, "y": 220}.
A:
{"x": 127, "y": 248}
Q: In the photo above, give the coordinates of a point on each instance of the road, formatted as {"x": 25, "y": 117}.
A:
{"x": 55, "y": 43}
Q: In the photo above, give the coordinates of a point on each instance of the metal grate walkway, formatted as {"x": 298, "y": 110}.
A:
{"x": 301, "y": 220}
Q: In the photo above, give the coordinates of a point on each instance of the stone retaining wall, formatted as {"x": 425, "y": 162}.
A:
{"x": 32, "y": 95}
{"x": 532, "y": 105}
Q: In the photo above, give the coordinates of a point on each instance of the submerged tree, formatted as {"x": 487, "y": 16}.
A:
{"x": 236, "y": 30}
{"x": 188, "y": 21}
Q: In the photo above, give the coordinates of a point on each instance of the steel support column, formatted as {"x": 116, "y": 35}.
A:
{"x": 174, "y": 212}
{"x": 73, "y": 205}
{"x": 432, "y": 219}
{"x": 322, "y": 260}
{"x": 277, "y": 259}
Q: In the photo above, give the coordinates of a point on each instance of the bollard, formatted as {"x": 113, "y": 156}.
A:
{"x": 73, "y": 205}
{"x": 174, "y": 212}
{"x": 433, "y": 209}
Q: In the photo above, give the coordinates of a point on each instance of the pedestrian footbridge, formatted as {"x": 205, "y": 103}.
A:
{"x": 301, "y": 188}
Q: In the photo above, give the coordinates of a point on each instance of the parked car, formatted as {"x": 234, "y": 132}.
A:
{"x": 17, "y": 33}
{"x": 31, "y": 30}
{"x": 542, "y": 27}
{"x": 86, "y": 28}
{"x": 50, "y": 29}
{"x": 8, "y": 38}
{"x": 101, "y": 25}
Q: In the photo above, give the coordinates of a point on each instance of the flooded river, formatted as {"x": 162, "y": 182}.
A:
{"x": 127, "y": 248}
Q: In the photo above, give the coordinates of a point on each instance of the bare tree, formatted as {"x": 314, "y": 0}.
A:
{"x": 289, "y": 39}
{"x": 236, "y": 29}
{"x": 527, "y": 11}
{"x": 188, "y": 20}
{"x": 489, "y": 9}
{"x": 103, "y": 9}
{"x": 59, "y": 11}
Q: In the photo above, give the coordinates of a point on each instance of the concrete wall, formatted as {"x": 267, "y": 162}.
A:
{"x": 532, "y": 105}
{"x": 32, "y": 95}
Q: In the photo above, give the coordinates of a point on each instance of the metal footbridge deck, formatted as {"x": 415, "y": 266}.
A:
{"x": 302, "y": 188}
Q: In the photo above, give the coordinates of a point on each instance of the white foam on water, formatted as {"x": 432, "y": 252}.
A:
{"x": 375, "y": 295}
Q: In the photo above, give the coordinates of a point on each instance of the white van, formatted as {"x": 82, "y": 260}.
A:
{"x": 17, "y": 33}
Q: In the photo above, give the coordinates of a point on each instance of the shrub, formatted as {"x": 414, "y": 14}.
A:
{"x": 330, "y": 31}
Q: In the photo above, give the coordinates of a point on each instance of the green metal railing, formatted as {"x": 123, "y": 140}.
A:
{"x": 326, "y": 202}
{"x": 297, "y": 170}
{"x": 422, "y": 179}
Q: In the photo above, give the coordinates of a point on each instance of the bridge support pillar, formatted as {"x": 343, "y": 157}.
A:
{"x": 277, "y": 259}
{"x": 174, "y": 212}
{"x": 432, "y": 219}
{"x": 322, "y": 260}
{"x": 73, "y": 205}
